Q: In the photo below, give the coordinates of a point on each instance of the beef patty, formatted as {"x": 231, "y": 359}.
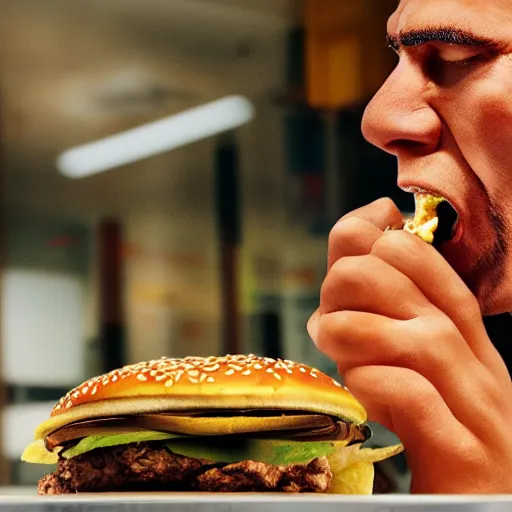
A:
{"x": 153, "y": 467}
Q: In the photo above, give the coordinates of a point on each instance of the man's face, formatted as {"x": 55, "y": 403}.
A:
{"x": 446, "y": 113}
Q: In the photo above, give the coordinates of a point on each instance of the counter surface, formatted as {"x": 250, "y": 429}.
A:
{"x": 17, "y": 499}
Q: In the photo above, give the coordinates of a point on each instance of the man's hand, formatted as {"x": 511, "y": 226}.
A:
{"x": 408, "y": 338}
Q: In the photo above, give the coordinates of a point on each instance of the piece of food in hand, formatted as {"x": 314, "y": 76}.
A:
{"x": 234, "y": 423}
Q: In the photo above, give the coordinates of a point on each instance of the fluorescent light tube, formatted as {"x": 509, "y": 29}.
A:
{"x": 158, "y": 137}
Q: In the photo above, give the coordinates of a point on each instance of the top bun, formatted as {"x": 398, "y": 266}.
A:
{"x": 230, "y": 382}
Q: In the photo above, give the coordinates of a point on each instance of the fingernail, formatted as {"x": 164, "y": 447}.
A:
{"x": 312, "y": 326}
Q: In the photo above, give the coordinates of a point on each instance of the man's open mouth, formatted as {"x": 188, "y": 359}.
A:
{"x": 435, "y": 219}
{"x": 448, "y": 221}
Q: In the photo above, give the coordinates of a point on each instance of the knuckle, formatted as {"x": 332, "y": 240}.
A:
{"x": 387, "y": 206}
{"x": 424, "y": 399}
{"x": 394, "y": 241}
{"x": 345, "y": 231}
{"x": 437, "y": 334}
{"x": 493, "y": 391}
{"x": 348, "y": 272}
{"x": 443, "y": 327}
{"x": 462, "y": 296}
{"x": 349, "y": 267}
{"x": 419, "y": 350}
{"x": 352, "y": 276}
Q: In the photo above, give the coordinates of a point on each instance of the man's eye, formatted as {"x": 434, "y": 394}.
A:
{"x": 457, "y": 56}
{"x": 447, "y": 64}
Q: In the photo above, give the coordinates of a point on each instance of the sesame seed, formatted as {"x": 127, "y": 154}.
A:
{"x": 196, "y": 370}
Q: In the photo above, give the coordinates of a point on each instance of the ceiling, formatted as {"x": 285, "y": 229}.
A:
{"x": 72, "y": 72}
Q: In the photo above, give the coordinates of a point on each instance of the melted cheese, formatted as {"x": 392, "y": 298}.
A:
{"x": 425, "y": 221}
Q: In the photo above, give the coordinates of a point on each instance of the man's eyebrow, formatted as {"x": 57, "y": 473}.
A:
{"x": 438, "y": 35}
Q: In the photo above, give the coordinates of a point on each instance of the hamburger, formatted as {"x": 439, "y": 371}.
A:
{"x": 218, "y": 424}
{"x": 433, "y": 217}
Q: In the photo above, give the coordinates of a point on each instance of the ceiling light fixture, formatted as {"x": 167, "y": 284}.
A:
{"x": 157, "y": 137}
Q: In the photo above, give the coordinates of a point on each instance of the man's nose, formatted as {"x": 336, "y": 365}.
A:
{"x": 399, "y": 118}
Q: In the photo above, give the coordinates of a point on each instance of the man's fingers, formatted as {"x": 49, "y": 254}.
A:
{"x": 421, "y": 418}
{"x": 440, "y": 284}
{"x": 382, "y": 213}
{"x": 418, "y": 410}
{"x": 352, "y": 237}
{"x": 354, "y": 339}
{"x": 424, "y": 265}
{"x": 368, "y": 284}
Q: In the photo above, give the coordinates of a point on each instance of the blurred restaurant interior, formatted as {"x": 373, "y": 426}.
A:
{"x": 214, "y": 243}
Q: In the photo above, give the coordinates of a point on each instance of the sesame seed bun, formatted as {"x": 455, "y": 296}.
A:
{"x": 232, "y": 382}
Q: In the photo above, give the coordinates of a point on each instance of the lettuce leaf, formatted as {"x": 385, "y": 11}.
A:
{"x": 270, "y": 451}
{"x": 104, "y": 441}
